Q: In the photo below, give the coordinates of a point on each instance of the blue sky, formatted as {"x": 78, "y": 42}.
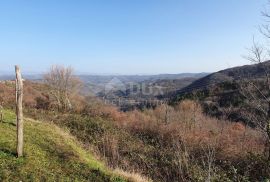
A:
{"x": 127, "y": 36}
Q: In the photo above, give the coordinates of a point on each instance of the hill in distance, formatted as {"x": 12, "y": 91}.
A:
{"x": 222, "y": 94}
{"x": 99, "y": 79}
{"x": 133, "y": 90}
{"x": 236, "y": 73}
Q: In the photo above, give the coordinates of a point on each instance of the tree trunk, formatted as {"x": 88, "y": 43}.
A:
{"x": 19, "y": 111}
{"x": 267, "y": 145}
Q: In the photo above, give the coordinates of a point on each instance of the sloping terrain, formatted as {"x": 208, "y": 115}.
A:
{"x": 236, "y": 73}
{"x": 224, "y": 94}
{"x": 154, "y": 143}
{"x": 144, "y": 143}
{"x": 50, "y": 155}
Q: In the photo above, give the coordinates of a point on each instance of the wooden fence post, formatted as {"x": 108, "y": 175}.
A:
{"x": 19, "y": 111}
{"x": 1, "y": 113}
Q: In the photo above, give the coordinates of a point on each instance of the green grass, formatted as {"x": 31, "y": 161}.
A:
{"x": 50, "y": 154}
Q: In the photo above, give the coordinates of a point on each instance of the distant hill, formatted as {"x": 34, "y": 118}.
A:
{"x": 132, "y": 90}
{"x": 137, "y": 91}
{"x": 220, "y": 92}
{"x": 103, "y": 79}
{"x": 236, "y": 73}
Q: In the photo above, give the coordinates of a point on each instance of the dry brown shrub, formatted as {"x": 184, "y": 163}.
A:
{"x": 97, "y": 108}
{"x": 31, "y": 92}
{"x": 110, "y": 149}
{"x": 190, "y": 125}
{"x": 7, "y": 94}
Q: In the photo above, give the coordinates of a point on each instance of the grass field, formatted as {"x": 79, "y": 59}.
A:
{"x": 50, "y": 154}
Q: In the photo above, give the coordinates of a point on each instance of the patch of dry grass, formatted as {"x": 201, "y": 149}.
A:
{"x": 132, "y": 176}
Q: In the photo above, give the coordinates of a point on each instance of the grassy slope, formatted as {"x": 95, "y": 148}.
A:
{"x": 50, "y": 155}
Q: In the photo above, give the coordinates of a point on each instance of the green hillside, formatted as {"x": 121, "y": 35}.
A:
{"x": 50, "y": 155}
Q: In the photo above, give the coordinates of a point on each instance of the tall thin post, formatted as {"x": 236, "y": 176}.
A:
{"x": 1, "y": 113}
{"x": 19, "y": 111}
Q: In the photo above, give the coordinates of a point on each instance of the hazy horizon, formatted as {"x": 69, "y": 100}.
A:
{"x": 25, "y": 72}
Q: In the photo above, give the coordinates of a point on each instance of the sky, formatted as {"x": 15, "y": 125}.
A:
{"x": 127, "y": 36}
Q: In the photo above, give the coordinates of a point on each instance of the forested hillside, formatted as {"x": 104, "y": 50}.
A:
{"x": 253, "y": 71}
{"x": 168, "y": 143}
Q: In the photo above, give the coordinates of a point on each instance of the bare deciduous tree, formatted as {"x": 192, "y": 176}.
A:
{"x": 257, "y": 92}
{"x": 209, "y": 160}
{"x": 62, "y": 84}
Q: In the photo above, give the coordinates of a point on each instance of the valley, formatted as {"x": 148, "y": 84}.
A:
{"x": 135, "y": 91}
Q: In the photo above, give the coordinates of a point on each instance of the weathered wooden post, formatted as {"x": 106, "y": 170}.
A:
{"x": 19, "y": 111}
{"x": 1, "y": 113}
